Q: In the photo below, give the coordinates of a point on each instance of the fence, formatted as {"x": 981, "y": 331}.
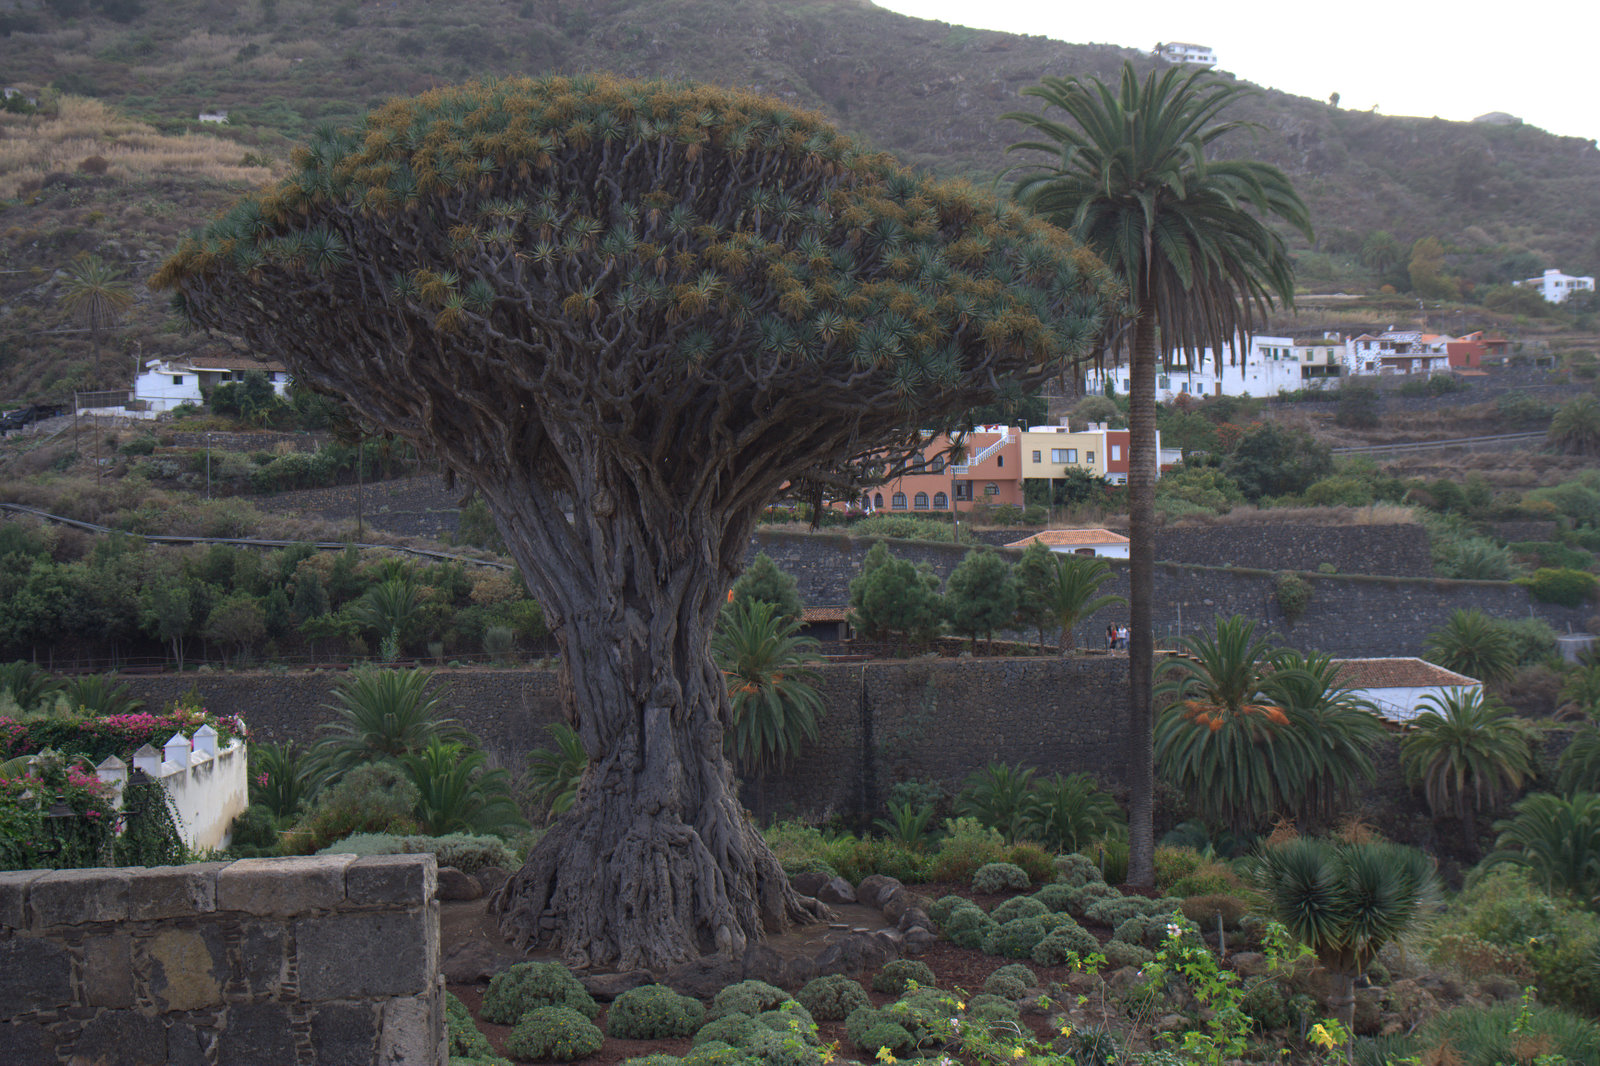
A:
{"x": 207, "y": 787}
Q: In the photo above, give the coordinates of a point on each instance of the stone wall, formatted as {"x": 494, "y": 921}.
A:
{"x": 324, "y": 961}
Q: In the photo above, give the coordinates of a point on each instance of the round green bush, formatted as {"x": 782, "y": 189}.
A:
{"x": 732, "y": 1029}
{"x": 554, "y": 1034}
{"x": 466, "y": 1040}
{"x": 895, "y": 976}
{"x": 1119, "y": 953}
{"x": 531, "y": 985}
{"x": 862, "y": 1021}
{"x": 715, "y": 1053}
{"x": 1066, "y": 940}
{"x": 658, "y": 1059}
{"x": 925, "y": 1012}
{"x": 1015, "y": 939}
{"x": 790, "y": 1020}
{"x": 887, "y": 1035}
{"x": 832, "y": 998}
{"x": 747, "y": 997}
{"x": 968, "y": 926}
{"x": 1151, "y": 930}
{"x": 1077, "y": 870}
{"x": 1012, "y": 981}
{"x": 943, "y": 906}
{"x": 995, "y": 1011}
{"x": 1082, "y": 899}
{"x": 1266, "y": 1004}
{"x": 999, "y": 877}
{"x": 1113, "y": 912}
{"x": 771, "y": 1048}
{"x": 1054, "y": 897}
{"x": 1019, "y": 907}
{"x": 653, "y": 1012}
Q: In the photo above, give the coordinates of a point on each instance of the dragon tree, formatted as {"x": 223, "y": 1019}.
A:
{"x": 628, "y": 314}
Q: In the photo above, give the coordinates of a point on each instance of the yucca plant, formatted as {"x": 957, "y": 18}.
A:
{"x": 457, "y": 793}
{"x": 997, "y": 796}
{"x": 1468, "y": 753}
{"x": 1556, "y": 837}
{"x": 383, "y": 714}
{"x": 556, "y": 771}
{"x": 1345, "y": 901}
{"x": 1069, "y": 812}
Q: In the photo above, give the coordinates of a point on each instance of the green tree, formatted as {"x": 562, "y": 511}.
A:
{"x": 383, "y": 714}
{"x": 557, "y": 771}
{"x": 1034, "y": 573}
{"x": 1345, "y": 902}
{"x": 652, "y": 305}
{"x": 773, "y": 695}
{"x": 763, "y": 580}
{"x": 1558, "y": 839}
{"x": 1472, "y": 643}
{"x": 1467, "y": 752}
{"x": 1071, "y": 593}
{"x": 981, "y": 595}
{"x": 237, "y": 621}
{"x": 1274, "y": 460}
{"x": 310, "y": 595}
{"x": 95, "y": 292}
{"x": 1380, "y": 253}
{"x": 892, "y": 599}
{"x": 1133, "y": 181}
{"x": 1575, "y": 429}
{"x": 390, "y": 610}
{"x": 1427, "y": 271}
{"x": 457, "y": 793}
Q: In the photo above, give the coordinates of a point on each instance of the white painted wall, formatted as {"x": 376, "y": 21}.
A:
{"x": 209, "y": 788}
{"x": 1404, "y": 704}
{"x": 1555, "y": 286}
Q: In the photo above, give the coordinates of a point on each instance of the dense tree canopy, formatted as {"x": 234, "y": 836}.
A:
{"x": 652, "y": 306}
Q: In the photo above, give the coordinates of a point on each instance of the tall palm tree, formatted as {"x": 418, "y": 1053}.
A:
{"x": 1188, "y": 236}
{"x": 1069, "y": 593}
{"x": 775, "y": 706}
{"x": 1472, "y": 643}
{"x": 1468, "y": 753}
{"x": 95, "y": 292}
{"x": 1575, "y": 429}
{"x": 1334, "y": 729}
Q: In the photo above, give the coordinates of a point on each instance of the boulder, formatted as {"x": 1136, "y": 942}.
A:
{"x": 455, "y": 885}
{"x": 472, "y": 962}
{"x": 836, "y": 890}
{"x": 912, "y": 918}
{"x": 853, "y": 954}
{"x": 809, "y": 883}
{"x": 874, "y": 889}
{"x": 762, "y": 963}
{"x": 1249, "y": 963}
{"x": 918, "y": 940}
{"x": 1368, "y": 1018}
{"x": 704, "y": 977}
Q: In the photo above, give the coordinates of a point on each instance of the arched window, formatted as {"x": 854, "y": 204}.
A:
{"x": 936, "y": 465}
{"x": 877, "y": 501}
{"x": 920, "y": 501}
{"x": 898, "y": 501}
{"x": 940, "y": 501}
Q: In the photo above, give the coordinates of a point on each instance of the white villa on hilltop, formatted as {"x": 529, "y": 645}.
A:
{"x": 1555, "y": 286}
{"x": 166, "y": 383}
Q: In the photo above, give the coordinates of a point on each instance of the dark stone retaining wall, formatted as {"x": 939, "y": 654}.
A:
{"x": 323, "y": 961}
{"x": 1348, "y": 616}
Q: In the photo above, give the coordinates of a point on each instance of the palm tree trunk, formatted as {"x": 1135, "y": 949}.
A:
{"x": 1141, "y": 591}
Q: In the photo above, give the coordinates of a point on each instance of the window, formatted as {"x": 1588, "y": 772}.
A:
{"x": 940, "y": 502}
{"x": 877, "y": 501}
{"x": 898, "y": 501}
{"x": 1000, "y": 460}
{"x": 917, "y": 465}
{"x": 1184, "y": 386}
{"x": 991, "y": 489}
{"x": 1116, "y": 453}
{"x": 920, "y": 501}
{"x": 963, "y": 490}
{"x": 936, "y": 465}
{"x": 1088, "y": 457}
{"x": 1163, "y": 383}
{"x": 1036, "y": 455}
{"x": 1063, "y": 455}
{"x": 177, "y": 379}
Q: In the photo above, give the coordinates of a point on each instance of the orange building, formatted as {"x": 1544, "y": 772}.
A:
{"x": 991, "y": 475}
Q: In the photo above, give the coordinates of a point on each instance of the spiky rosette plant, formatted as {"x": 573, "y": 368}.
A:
{"x": 629, "y": 313}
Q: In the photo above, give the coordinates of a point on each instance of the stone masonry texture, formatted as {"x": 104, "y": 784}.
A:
{"x": 324, "y": 961}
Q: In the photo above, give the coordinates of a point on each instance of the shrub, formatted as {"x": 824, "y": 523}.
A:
{"x": 554, "y": 1034}
{"x": 1011, "y": 981}
{"x": 925, "y": 1012}
{"x": 533, "y": 985}
{"x": 944, "y": 906}
{"x": 832, "y": 998}
{"x": 1114, "y": 912}
{"x": 1120, "y": 953}
{"x": 789, "y": 1020}
{"x": 861, "y": 1025}
{"x": 896, "y": 976}
{"x": 772, "y": 1048}
{"x": 1151, "y": 930}
{"x": 968, "y": 926}
{"x": 1266, "y": 1004}
{"x": 255, "y": 828}
{"x": 1203, "y": 910}
{"x": 1077, "y": 870}
{"x": 997, "y": 1012}
{"x": 1172, "y": 863}
{"x": 1083, "y": 898}
{"x": 465, "y": 1038}
{"x": 731, "y": 1029}
{"x": 855, "y": 858}
{"x": 1489, "y": 1036}
{"x": 747, "y": 997}
{"x": 464, "y": 851}
{"x": 1014, "y": 939}
{"x": 653, "y": 1012}
{"x": 1034, "y": 860}
{"x": 968, "y": 846}
{"x": 1000, "y": 876}
{"x": 1055, "y": 897}
{"x": 1018, "y": 907}
{"x": 376, "y": 798}
{"x": 1569, "y": 588}
{"x": 1066, "y": 940}
{"x": 657, "y": 1059}
{"x": 715, "y": 1053}
{"x": 1293, "y": 594}
{"x": 887, "y": 1036}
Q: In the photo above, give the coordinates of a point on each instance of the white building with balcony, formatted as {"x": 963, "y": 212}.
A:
{"x": 1179, "y": 52}
{"x": 1555, "y": 286}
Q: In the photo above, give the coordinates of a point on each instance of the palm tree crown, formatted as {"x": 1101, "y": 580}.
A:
{"x": 1131, "y": 179}
{"x": 1468, "y": 753}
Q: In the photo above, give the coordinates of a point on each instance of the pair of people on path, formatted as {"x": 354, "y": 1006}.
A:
{"x": 1116, "y": 638}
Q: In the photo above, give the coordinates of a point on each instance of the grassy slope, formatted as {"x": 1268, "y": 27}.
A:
{"x": 929, "y": 91}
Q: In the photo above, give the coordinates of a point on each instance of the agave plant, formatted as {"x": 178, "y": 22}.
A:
{"x": 1556, "y": 837}
{"x": 457, "y": 793}
{"x": 1468, "y": 753}
{"x": 1345, "y": 901}
{"x": 997, "y": 796}
{"x": 557, "y": 771}
{"x": 1069, "y": 811}
{"x": 383, "y": 714}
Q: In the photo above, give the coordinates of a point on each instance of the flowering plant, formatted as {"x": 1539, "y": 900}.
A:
{"x": 94, "y": 738}
{"x": 55, "y": 815}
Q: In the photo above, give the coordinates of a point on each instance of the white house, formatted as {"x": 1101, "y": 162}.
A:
{"x": 1272, "y": 365}
{"x": 166, "y": 383}
{"x": 1555, "y": 286}
{"x": 1397, "y": 351}
{"x": 1100, "y": 542}
{"x": 1178, "y": 52}
{"x": 1399, "y": 687}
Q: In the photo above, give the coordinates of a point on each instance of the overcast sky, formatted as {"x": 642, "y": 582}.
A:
{"x": 1407, "y": 57}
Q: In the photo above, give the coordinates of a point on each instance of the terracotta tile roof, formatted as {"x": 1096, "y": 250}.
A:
{"x": 824, "y": 614}
{"x": 229, "y": 362}
{"x": 1062, "y": 537}
{"x": 1397, "y": 673}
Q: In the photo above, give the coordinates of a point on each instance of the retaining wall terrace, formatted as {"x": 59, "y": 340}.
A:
{"x": 322, "y": 961}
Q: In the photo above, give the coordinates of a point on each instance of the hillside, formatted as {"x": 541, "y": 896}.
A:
{"x": 1505, "y": 201}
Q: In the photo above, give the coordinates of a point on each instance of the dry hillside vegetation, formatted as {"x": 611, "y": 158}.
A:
{"x": 84, "y": 132}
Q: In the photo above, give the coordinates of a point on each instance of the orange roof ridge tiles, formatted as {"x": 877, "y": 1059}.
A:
{"x": 1054, "y": 537}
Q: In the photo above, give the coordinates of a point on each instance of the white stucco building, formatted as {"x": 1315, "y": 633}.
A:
{"x": 166, "y": 383}
{"x": 1555, "y": 286}
{"x": 1179, "y": 52}
{"x": 1102, "y": 542}
{"x": 1272, "y": 365}
{"x": 1399, "y": 687}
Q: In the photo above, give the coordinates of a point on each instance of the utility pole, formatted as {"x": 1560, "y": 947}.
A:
{"x": 208, "y": 466}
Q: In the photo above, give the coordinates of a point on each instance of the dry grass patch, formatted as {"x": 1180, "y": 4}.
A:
{"x": 1377, "y": 514}
{"x": 32, "y": 147}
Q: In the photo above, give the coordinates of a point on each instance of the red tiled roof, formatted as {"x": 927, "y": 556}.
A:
{"x": 1063, "y": 537}
{"x": 1397, "y": 673}
{"x": 824, "y": 614}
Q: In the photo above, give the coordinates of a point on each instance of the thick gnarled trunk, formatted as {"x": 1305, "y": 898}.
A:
{"x": 655, "y": 863}
{"x": 1142, "y": 463}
